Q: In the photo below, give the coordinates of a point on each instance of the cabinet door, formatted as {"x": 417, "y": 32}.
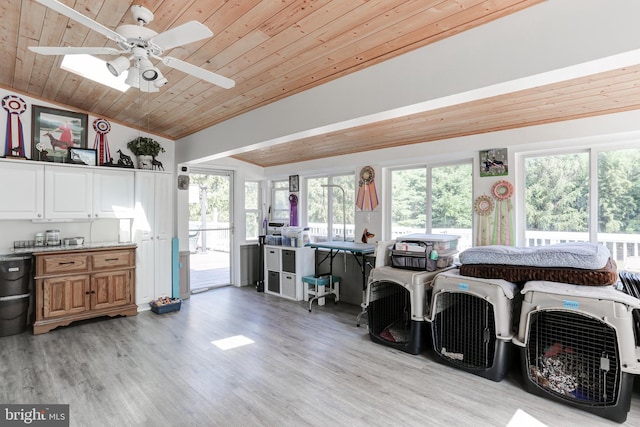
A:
{"x": 110, "y": 289}
{"x": 152, "y": 230}
{"x": 113, "y": 194}
{"x": 145, "y": 289}
{"x": 68, "y": 192}
{"x": 163, "y": 215}
{"x": 63, "y": 296}
{"x": 22, "y": 191}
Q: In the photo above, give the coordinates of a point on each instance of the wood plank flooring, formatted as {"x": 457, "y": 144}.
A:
{"x": 304, "y": 369}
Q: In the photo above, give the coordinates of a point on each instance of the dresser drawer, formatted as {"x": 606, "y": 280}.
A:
{"x": 60, "y": 264}
{"x": 109, "y": 260}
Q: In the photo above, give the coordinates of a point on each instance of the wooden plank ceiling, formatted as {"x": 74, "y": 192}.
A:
{"x": 274, "y": 49}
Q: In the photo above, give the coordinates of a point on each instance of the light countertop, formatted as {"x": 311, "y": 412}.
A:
{"x": 87, "y": 246}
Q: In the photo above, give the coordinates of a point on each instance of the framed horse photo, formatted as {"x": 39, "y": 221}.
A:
{"x": 54, "y": 132}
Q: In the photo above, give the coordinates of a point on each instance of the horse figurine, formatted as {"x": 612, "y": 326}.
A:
{"x": 124, "y": 160}
{"x": 156, "y": 164}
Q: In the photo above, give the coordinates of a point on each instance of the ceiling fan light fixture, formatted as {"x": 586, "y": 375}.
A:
{"x": 133, "y": 77}
{"x": 146, "y": 86}
{"x": 118, "y": 65}
{"x": 148, "y": 71}
{"x": 160, "y": 81}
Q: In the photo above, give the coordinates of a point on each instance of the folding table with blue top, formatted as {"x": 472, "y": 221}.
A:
{"x": 359, "y": 252}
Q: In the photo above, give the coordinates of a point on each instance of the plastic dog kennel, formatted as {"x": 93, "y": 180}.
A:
{"x": 397, "y": 307}
{"x": 578, "y": 345}
{"x": 472, "y": 323}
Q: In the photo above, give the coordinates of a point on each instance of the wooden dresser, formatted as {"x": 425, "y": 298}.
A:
{"x": 81, "y": 284}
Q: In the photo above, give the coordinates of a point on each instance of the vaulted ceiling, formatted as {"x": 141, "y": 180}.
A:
{"x": 275, "y": 49}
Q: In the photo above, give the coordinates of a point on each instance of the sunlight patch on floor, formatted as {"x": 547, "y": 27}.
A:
{"x": 232, "y": 342}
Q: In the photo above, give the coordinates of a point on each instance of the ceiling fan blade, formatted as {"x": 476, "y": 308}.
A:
{"x": 54, "y": 50}
{"x": 201, "y": 73}
{"x": 78, "y": 17}
{"x": 189, "y": 32}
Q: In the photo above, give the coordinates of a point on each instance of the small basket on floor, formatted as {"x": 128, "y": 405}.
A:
{"x": 166, "y": 305}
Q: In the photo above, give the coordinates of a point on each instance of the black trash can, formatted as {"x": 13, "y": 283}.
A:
{"x": 15, "y": 294}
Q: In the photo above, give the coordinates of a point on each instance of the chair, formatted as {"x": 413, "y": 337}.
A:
{"x": 317, "y": 286}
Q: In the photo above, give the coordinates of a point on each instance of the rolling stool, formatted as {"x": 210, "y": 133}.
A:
{"x": 317, "y": 286}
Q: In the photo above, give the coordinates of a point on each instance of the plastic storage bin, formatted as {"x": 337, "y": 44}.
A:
{"x": 15, "y": 294}
{"x": 472, "y": 323}
{"x": 578, "y": 346}
{"x": 397, "y": 308}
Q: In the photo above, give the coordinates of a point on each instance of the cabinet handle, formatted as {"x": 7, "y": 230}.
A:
{"x": 112, "y": 259}
{"x": 66, "y": 263}
{"x": 39, "y": 215}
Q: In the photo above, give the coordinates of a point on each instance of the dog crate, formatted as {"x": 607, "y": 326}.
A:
{"x": 397, "y": 307}
{"x": 578, "y": 345}
{"x": 472, "y": 323}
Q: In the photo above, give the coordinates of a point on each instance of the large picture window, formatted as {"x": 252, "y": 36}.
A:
{"x": 331, "y": 207}
{"x": 433, "y": 199}
{"x": 593, "y": 195}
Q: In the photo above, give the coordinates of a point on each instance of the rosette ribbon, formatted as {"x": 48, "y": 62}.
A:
{"x": 503, "y": 230}
{"x": 367, "y": 198}
{"x": 14, "y": 139}
{"x": 102, "y": 128}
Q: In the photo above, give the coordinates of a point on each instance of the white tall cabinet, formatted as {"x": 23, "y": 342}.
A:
{"x": 152, "y": 232}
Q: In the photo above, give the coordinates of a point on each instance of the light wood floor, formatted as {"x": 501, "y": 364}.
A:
{"x": 304, "y": 369}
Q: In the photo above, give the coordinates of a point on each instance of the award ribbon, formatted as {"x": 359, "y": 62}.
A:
{"x": 367, "y": 198}
{"x": 102, "y": 128}
{"x": 502, "y": 232}
{"x": 483, "y": 206}
{"x": 293, "y": 210}
{"x": 14, "y": 139}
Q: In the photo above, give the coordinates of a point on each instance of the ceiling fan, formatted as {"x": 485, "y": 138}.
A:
{"x": 137, "y": 45}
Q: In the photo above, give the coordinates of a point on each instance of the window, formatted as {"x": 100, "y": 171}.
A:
{"x": 280, "y": 201}
{"x": 449, "y": 192}
{"x": 452, "y": 202}
{"x": 619, "y": 204}
{"x": 408, "y": 201}
{"x": 252, "y": 205}
{"x": 331, "y": 207}
{"x": 557, "y": 198}
{"x": 559, "y": 205}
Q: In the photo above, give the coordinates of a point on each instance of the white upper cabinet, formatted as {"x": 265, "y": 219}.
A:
{"x": 68, "y": 192}
{"x": 22, "y": 190}
{"x": 113, "y": 193}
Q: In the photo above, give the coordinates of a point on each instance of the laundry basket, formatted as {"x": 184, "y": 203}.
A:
{"x": 578, "y": 346}
{"x": 472, "y": 323}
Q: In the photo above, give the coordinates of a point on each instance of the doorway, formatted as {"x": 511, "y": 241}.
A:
{"x": 210, "y": 229}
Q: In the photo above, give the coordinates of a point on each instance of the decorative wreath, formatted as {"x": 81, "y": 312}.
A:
{"x": 366, "y": 175}
{"x": 483, "y": 205}
{"x": 502, "y": 190}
